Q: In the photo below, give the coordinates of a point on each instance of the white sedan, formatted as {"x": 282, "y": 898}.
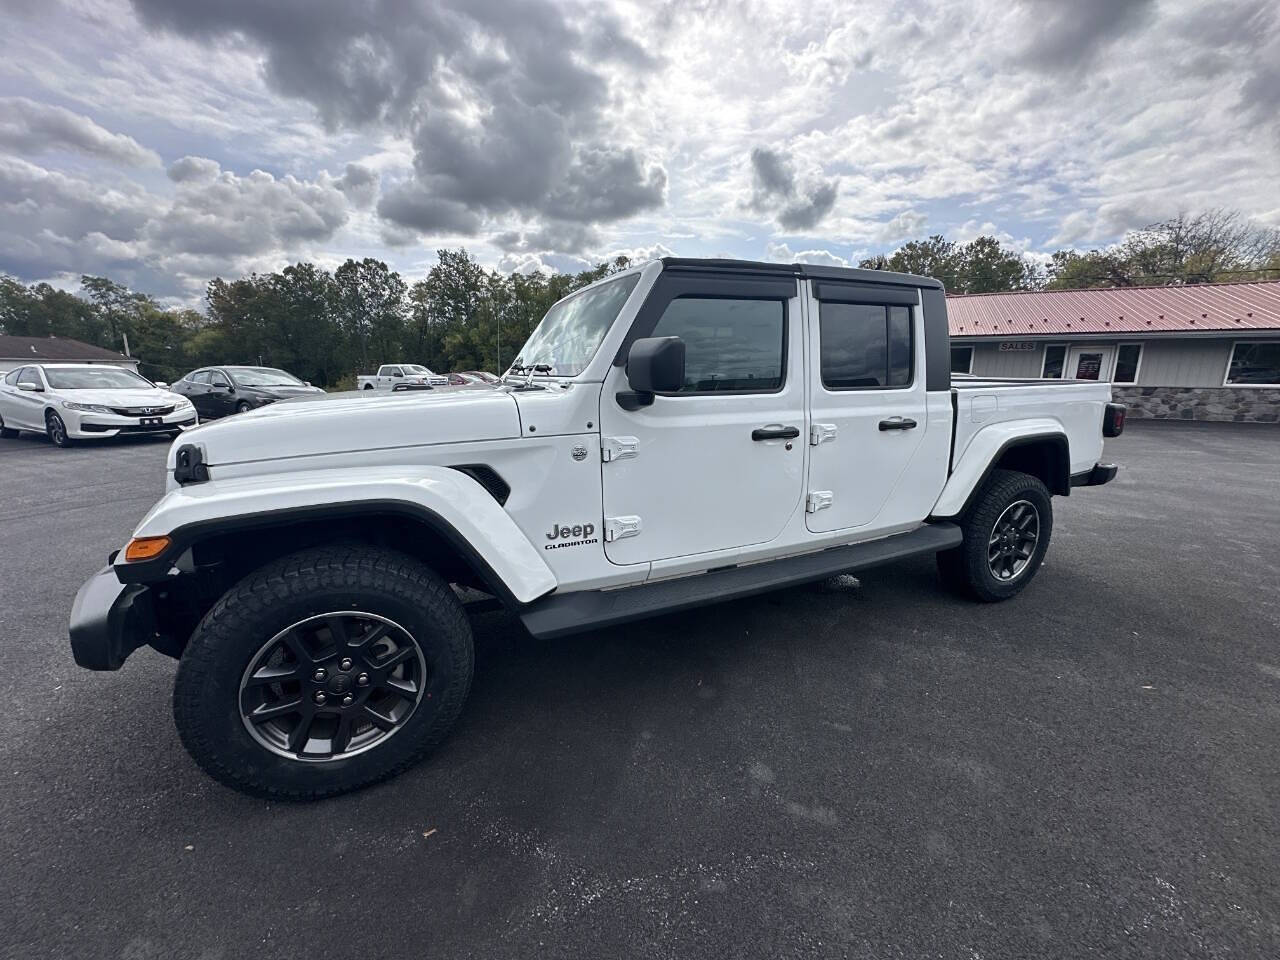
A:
{"x": 82, "y": 401}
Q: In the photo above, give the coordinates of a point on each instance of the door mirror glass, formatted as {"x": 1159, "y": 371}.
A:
{"x": 656, "y": 365}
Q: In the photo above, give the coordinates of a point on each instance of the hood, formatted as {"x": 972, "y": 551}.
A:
{"x": 321, "y": 423}
{"x": 144, "y": 397}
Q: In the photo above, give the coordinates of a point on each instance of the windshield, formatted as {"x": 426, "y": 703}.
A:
{"x": 570, "y": 333}
{"x": 96, "y": 378}
{"x": 417, "y": 368}
{"x": 264, "y": 377}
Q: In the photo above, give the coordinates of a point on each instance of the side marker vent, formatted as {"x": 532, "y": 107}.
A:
{"x": 488, "y": 478}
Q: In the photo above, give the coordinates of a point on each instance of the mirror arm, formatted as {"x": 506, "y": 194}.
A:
{"x": 634, "y": 399}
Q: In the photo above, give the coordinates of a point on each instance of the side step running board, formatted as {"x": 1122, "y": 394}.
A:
{"x": 560, "y": 614}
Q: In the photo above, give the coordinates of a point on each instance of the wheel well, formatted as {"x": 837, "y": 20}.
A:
{"x": 1044, "y": 457}
{"x": 221, "y": 559}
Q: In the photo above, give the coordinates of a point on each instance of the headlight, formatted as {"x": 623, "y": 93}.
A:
{"x": 181, "y": 403}
{"x": 86, "y": 407}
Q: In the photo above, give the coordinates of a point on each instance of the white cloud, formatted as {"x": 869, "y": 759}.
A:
{"x": 32, "y": 128}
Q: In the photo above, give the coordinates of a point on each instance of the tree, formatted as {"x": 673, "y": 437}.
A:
{"x": 370, "y": 299}
{"x": 983, "y": 265}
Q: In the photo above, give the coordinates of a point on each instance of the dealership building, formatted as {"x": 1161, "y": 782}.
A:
{"x": 1196, "y": 352}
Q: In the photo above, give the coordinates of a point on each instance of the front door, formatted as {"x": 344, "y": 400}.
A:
{"x": 719, "y": 463}
{"x": 1089, "y": 363}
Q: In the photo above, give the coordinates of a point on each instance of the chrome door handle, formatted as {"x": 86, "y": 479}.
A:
{"x": 774, "y": 432}
{"x": 897, "y": 423}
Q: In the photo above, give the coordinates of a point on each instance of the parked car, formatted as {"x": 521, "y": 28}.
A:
{"x": 470, "y": 378}
{"x": 482, "y": 375}
{"x": 402, "y": 376}
{"x": 84, "y": 401}
{"x": 219, "y": 391}
{"x": 708, "y": 430}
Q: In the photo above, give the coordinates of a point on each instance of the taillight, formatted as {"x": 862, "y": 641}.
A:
{"x": 1113, "y": 419}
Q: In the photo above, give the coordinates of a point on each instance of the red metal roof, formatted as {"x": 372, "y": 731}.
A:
{"x": 1125, "y": 310}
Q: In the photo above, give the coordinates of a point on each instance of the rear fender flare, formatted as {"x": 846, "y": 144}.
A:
{"x": 985, "y": 450}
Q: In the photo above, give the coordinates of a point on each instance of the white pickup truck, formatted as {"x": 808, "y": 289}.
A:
{"x": 683, "y": 432}
{"x": 401, "y": 376}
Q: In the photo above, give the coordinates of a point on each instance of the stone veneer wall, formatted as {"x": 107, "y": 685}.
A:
{"x": 1254, "y": 405}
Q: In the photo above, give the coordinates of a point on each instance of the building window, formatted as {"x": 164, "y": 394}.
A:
{"x": 864, "y": 346}
{"x": 733, "y": 346}
{"x": 1254, "y": 365}
{"x": 1055, "y": 358}
{"x": 962, "y": 359}
{"x": 1128, "y": 356}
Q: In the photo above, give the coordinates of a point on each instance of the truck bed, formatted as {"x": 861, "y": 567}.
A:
{"x": 1073, "y": 408}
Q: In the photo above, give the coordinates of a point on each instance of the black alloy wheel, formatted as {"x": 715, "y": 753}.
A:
{"x": 333, "y": 685}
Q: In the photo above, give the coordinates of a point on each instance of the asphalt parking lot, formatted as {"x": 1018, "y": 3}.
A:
{"x": 1090, "y": 770}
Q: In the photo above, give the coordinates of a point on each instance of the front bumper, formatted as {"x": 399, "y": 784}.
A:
{"x": 83, "y": 426}
{"x": 110, "y": 620}
{"x": 1100, "y": 474}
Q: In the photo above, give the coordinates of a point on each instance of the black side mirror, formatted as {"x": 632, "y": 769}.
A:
{"x": 654, "y": 365}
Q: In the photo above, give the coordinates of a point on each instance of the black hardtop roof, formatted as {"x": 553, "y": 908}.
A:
{"x": 807, "y": 270}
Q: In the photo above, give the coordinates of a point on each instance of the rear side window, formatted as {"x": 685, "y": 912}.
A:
{"x": 200, "y": 377}
{"x": 731, "y": 346}
{"x": 12, "y": 377}
{"x": 865, "y": 346}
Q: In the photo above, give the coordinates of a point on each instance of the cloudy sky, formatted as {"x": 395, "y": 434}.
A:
{"x": 162, "y": 142}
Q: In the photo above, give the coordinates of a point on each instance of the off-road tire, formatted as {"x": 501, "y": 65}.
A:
{"x": 967, "y": 568}
{"x": 206, "y": 697}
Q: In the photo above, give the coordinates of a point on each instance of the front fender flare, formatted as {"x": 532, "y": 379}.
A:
{"x": 450, "y": 501}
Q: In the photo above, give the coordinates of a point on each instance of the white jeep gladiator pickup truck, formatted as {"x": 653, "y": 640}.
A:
{"x": 401, "y": 376}
{"x": 683, "y": 432}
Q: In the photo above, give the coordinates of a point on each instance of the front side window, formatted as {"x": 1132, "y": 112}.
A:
{"x": 200, "y": 376}
{"x": 962, "y": 359}
{"x": 94, "y": 378}
{"x": 1256, "y": 364}
{"x": 731, "y": 346}
{"x": 571, "y": 332}
{"x": 1055, "y": 358}
{"x": 30, "y": 375}
{"x": 864, "y": 346}
{"x": 1127, "y": 358}
{"x": 218, "y": 379}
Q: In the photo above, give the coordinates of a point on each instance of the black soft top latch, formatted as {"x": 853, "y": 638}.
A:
{"x": 190, "y": 467}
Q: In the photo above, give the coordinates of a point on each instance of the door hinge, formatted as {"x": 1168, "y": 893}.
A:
{"x": 820, "y": 433}
{"x": 619, "y": 448}
{"x": 818, "y": 500}
{"x": 619, "y": 528}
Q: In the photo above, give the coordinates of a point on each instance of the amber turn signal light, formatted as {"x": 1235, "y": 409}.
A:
{"x": 144, "y": 548}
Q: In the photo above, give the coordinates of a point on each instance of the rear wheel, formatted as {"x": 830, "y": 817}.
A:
{"x": 1006, "y": 534}
{"x": 243, "y": 407}
{"x": 324, "y": 672}
{"x": 57, "y": 430}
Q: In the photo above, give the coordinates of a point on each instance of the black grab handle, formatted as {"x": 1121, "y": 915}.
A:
{"x": 775, "y": 433}
{"x": 897, "y": 423}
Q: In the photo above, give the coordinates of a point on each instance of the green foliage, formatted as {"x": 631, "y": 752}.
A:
{"x": 983, "y": 265}
{"x": 323, "y": 327}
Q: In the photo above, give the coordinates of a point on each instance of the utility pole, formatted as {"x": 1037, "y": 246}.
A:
{"x": 126, "y": 343}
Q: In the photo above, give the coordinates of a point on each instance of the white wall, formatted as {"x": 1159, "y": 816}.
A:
{"x": 1167, "y": 362}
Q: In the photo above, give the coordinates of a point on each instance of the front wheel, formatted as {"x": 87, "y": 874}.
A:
{"x": 7, "y": 433}
{"x": 57, "y": 430}
{"x": 324, "y": 672}
{"x": 1006, "y": 534}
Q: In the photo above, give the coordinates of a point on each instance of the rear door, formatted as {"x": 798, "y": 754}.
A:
{"x": 869, "y": 409}
{"x": 718, "y": 464}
